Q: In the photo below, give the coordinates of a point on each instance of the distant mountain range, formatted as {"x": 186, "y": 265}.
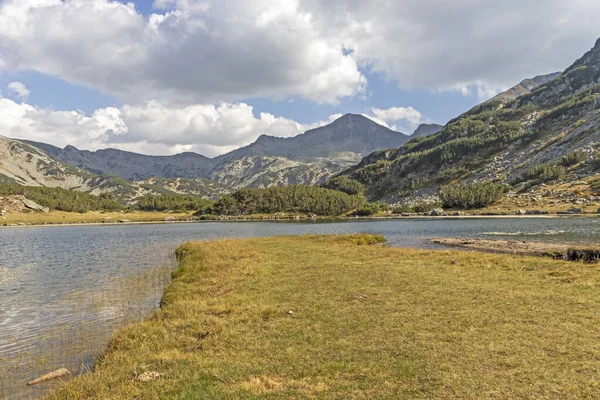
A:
{"x": 309, "y": 158}
{"x": 546, "y": 129}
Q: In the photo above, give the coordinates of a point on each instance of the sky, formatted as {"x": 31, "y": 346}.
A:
{"x": 167, "y": 76}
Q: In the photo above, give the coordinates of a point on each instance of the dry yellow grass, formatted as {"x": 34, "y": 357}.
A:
{"x": 61, "y": 217}
{"x": 323, "y": 317}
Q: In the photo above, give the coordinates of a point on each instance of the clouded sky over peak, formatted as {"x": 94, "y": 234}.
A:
{"x": 166, "y": 76}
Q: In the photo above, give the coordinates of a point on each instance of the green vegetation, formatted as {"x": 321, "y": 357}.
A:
{"x": 328, "y": 318}
{"x": 595, "y": 162}
{"x": 545, "y": 173}
{"x": 62, "y": 199}
{"x": 371, "y": 209}
{"x": 165, "y": 202}
{"x": 476, "y": 195}
{"x": 572, "y": 158}
{"x": 345, "y": 184}
{"x": 293, "y": 198}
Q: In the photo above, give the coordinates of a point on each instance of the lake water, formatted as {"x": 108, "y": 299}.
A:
{"x": 64, "y": 290}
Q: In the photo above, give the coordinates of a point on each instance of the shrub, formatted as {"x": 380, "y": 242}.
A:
{"x": 572, "y": 158}
{"x": 545, "y": 173}
{"x": 179, "y": 202}
{"x": 62, "y": 199}
{"x": 292, "y": 198}
{"x": 371, "y": 209}
{"x": 425, "y": 207}
{"x": 345, "y": 184}
{"x": 476, "y": 195}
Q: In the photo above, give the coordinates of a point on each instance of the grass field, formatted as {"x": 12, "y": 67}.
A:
{"x": 336, "y": 317}
{"x": 61, "y": 217}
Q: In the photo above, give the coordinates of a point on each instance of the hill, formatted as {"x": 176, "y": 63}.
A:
{"x": 23, "y": 164}
{"x": 550, "y": 135}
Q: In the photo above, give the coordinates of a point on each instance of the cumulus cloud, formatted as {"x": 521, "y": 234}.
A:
{"x": 401, "y": 119}
{"x": 193, "y": 53}
{"x": 204, "y": 51}
{"x": 18, "y": 89}
{"x": 472, "y": 44}
{"x": 152, "y": 128}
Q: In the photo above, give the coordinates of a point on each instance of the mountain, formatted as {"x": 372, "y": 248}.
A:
{"x": 426, "y": 130}
{"x": 23, "y": 164}
{"x": 346, "y": 138}
{"x": 524, "y": 87}
{"x": 308, "y": 158}
{"x": 128, "y": 165}
{"x": 551, "y": 134}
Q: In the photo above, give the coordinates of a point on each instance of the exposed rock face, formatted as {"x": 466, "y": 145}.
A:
{"x": 524, "y": 87}
{"x": 426, "y": 130}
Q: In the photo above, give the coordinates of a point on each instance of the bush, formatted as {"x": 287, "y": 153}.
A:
{"x": 345, "y": 184}
{"x": 179, "y": 202}
{"x": 371, "y": 209}
{"x": 545, "y": 173}
{"x": 293, "y": 198}
{"x": 476, "y": 195}
{"x": 425, "y": 207}
{"x": 595, "y": 162}
{"x": 62, "y": 199}
{"x": 572, "y": 158}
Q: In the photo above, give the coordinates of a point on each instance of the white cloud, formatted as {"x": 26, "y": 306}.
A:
{"x": 439, "y": 44}
{"x": 402, "y": 119}
{"x": 207, "y": 51}
{"x": 18, "y": 89}
{"x": 153, "y": 128}
{"x": 200, "y": 52}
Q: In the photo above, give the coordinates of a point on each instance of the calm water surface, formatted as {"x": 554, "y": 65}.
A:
{"x": 64, "y": 290}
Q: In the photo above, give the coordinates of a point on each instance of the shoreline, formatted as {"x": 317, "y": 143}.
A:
{"x": 301, "y": 220}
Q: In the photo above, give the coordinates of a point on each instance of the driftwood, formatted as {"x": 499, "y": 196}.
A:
{"x": 59, "y": 373}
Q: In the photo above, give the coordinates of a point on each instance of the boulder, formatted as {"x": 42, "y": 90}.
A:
{"x": 575, "y": 210}
{"x": 32, "y": 205}
{"x": 169, "y": 219}
{"x": 437, "y": 212}
{"x": 521, "y": 212}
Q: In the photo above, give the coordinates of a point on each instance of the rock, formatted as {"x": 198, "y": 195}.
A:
{"x": 169, "y": 219}
{"x": 575, "y": 210}
{"x": 598, "y": 210}
{"x": 124, "y": 221}
{"x": 521, "y": 212}
{"x": 537, "y": 212}
{"x": 59, "y": 373}
{"x": 32, "y": 205}
{"x": 437, "y": 212}
{"x": 291, "y": 312}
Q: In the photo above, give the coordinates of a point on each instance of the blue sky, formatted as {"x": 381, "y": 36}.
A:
{"x": 208, "y": 76}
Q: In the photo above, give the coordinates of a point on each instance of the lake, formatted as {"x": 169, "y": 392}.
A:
{"x": 64, "y": 290}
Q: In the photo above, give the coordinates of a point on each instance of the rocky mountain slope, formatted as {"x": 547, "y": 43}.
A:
{"x": 525, "y": 86}
{"x": 426, "y": 130}
{"x": 550, "y": 135}
{"x": 309, "y": 158}
{"x": 24, "y": 164}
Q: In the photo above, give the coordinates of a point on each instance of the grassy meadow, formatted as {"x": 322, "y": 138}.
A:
{"x": 90, "y": 217}
{"x": 340, "y": 317}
